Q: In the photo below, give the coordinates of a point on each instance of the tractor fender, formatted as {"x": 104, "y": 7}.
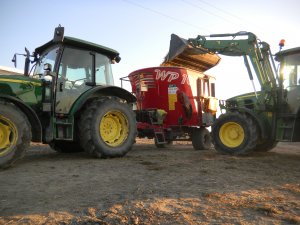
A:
{"x": 36, "y": 126}
{"x": 100, "y": 91}
{"x": 264, "y": 132}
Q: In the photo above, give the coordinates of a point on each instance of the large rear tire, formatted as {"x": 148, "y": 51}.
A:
{"x": 107, "y": 128}
{"x": 201, "y": 139}
{"x": 234, "y": 133}
{"x": 266, "y": 146}
{"x": 15, "y": 134}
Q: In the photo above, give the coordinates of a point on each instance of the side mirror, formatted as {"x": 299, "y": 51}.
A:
{"x": 14, "y": 60}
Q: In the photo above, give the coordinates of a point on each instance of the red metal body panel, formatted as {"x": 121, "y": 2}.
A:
{"x": 172, "y": 89}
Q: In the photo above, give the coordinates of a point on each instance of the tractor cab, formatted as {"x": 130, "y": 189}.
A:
{"x": 289, "y": 72}
{"x": 73, "y": 66}
{"x": 290, "y": 77}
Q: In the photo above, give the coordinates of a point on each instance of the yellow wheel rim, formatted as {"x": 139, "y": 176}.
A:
{"x": 232, "y": 134}
{"x": 8, "y": 135}
{"x": 114, "y": 128}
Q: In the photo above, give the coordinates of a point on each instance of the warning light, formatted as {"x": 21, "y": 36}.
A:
{"x": 281, "y": 43}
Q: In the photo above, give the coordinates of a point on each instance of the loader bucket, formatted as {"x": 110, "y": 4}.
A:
{"x": 183, "y": 54}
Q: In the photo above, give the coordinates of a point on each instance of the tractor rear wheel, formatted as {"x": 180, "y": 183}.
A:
{"x": 201, "y": 139}
{"x": 15, "y": 134}
{"x": 266, "y": 146}
{"x": 234, "y": 133}
{"x": 66, "y": 146}
{"x": 107, "y": 128}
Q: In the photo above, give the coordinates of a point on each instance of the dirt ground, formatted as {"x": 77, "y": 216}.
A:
{"x": 175, "y": 185}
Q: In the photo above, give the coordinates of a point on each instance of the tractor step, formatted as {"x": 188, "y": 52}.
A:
{"x": 286, "y": 127}
{"x": 64, "y": 129}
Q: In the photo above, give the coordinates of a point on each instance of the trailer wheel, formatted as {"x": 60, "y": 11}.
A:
{"x": 107, "y": 128}
{"x": 234, "y": 133}
{"x": 201, "y": 139}
{"x": 15, "y": 134}
{"x": 65, "y": 146}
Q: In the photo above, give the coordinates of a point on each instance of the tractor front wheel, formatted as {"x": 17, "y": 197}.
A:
{"x": 107, "y": 128}
{"x": 201, "y": 139}
{"x": 234, "y": 133}
{"x": 15, "y": 134}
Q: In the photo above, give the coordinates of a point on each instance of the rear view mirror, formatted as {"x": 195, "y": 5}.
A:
{"x": 14, "y": 60}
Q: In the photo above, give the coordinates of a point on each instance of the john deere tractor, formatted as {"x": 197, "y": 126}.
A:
{"x": 67, "y": 100}
{"x": 254, "y": 121}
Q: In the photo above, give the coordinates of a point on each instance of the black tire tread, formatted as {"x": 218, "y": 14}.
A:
{"x": 251, "y": 140}
{"x": 199, "y": 139}
{"x": 24, "y": 135}
{"x": 266, "y": 146}
{"x": 86, "y": 132}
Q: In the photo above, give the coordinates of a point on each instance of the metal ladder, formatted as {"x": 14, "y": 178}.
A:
{"x": 159, "y": 135}
{"x": 158, "y": 130}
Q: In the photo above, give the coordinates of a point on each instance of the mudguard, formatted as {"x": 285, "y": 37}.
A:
{"x": 36, "y": 126}
{"x": 100, "y": 91}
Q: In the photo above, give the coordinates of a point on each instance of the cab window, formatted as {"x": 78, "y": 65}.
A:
{"x": 103, "y": 70}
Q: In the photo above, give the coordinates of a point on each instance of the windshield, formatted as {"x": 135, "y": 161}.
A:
{"x": 47, "y": 57}
{"x": 290, "y": 70}
{"x": 77, "y": 66}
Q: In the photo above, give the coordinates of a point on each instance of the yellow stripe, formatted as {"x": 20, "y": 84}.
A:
{"x": 20, "y": 81}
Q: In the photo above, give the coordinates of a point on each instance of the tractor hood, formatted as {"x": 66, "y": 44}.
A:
{"x": 15, "y": 85}
{"x": 21, "y": 88}
{"x": 249, "y": 95}
{"x": 18, "y": 79}
{"x": 247, "y": 100}
{"x": 183, "y": 54}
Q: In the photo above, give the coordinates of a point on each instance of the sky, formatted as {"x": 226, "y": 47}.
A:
{"x": 141, "y": 29}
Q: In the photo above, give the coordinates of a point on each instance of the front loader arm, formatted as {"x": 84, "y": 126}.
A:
{"x": 246, "y": 46}
{"x": 226, "y": 47}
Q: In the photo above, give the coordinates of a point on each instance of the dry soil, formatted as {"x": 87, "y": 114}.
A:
{"x": 174, "y": 185}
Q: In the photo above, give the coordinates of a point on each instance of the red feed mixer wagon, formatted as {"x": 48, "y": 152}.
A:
{"x": 176, "y": 101}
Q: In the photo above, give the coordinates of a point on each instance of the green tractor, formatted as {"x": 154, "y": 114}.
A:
{"x": 66, "y": 100}
{"x": 254, "y": 121}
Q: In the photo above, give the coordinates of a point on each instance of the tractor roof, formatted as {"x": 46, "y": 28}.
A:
{"x": 111, "y": 53}
{"x": 288, "y": 52}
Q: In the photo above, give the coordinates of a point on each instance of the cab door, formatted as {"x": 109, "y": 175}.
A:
{"x": 75, "y": 71}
